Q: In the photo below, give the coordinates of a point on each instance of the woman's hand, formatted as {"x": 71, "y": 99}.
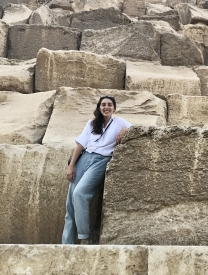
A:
{"x": 70, "y": 173}
{"x": 121, "y": 135}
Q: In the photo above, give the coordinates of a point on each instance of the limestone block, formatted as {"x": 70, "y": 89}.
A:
{"x": 157, "y": 9}
{"x": 26, "y": 40}
{"x": 162, "y": 80}
{"x": 6, "y": 61}
{"x": 33, "y": 3}
{"x": 202, "y": 73}
{"x": 94, "y": 260}
{"x": 76, "y": 106}
{"x": 19, "y": 78}
{"x": 24, "y": 118}
{"x": 1, "y": 11}
{"x": 197, "y": 32}
{"x": 16, "y": 14}
{"x": 78, "y": 69}
{"x": 156, "y": 188}
{"x": 98, "y": 19}
{"x": 173, "y": 3}
{"x": 179, "y": 50}
{"x": 187, "y": 110}
{"x": 163, "y": 27}
{"x": 134, "y": 8}
{"x": 96, "y": 4}
{"x": 138, "y": 40}
{"x": 189, "y": 14}
{"x": 63, "y": 5}
{"x": 191, "y": 260}
{"x": 33, "y": 193}
{"x": 3, "y": 38}
{"x": 204, "y": 50}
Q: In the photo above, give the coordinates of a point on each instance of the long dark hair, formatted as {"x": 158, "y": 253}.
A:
{"x": 98, "y": 121}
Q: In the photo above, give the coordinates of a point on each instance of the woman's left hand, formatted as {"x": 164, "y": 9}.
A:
{"x": 121, "y": 135}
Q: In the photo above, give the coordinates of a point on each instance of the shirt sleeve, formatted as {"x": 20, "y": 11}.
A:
{"x": 85, "y": 135}
{"x": 126, "y": 124}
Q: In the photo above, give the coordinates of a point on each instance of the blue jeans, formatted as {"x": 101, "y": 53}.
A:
{"x": 89, "y": 177}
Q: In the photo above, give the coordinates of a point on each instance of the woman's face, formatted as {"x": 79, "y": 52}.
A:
{"x": 107, "y": 108}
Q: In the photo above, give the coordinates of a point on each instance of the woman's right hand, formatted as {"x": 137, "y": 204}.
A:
{"x": 70, "y": 173}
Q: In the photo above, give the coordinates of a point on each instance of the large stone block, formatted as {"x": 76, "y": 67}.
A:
{"x": 3, "y": 38}
{"x": 139, "y": 40}
{"x": 156, "y": 189}
{"x": 162, "y": 80}
{"x": 16, "y": 14}
{"x": 187, "y": 110}
{"x": 24, "y": 118}
{"x": 33, "y": 3}
{"x": 76, "y": 106}
{"x": 87, "y": 5}
{"x": 33, "y": 192}
{"x": 202, "y": 73}
{"x": 68, "y": 259}
{"x": 179, "y": 50}
{"x": 78, "y": 69}
{"x": 173, "y": 3}
{"x": 1, "y": 11}
{"x": 26, "y": 40}
{"x": 197, "y": 32}
{"x": 98, "y": 19}
{"x": 134, "y": 8}
{"x": 189, "y": 14}
{"x": 19, "y": 78}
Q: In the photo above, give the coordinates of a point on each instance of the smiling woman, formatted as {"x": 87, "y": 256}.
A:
{"x": 87, "y": 173}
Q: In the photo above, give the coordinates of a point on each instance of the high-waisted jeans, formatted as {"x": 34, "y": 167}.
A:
{"x": 89, "y": 177}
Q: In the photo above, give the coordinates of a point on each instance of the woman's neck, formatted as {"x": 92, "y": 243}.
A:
{"x": 106, "y": 120}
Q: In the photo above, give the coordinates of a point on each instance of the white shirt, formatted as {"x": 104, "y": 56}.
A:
{"x": 106, "y": 144}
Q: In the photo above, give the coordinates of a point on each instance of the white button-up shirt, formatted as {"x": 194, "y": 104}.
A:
{"x": 107, "y": 142}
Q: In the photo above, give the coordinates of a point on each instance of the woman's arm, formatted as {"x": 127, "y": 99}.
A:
{"x": 121, "y": 135}
{"x": 71, "y": 171}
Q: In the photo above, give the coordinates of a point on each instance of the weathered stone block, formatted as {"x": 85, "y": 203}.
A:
{"x": 156, "y": 189}
{"x": 162, "y": 80}
{"x": 24, "y": 118}
{"x": 187, "y": 110}
{"x": 189, "y": 14}
{"x": 78, "y": 69}
{"x": 173, "y": 3}
{"x": 134, "y": 8}
{"x": 3, "y": 38}
{"x": 98, "y": 19}
{"x": 94, "y": 260}
{"x": 62, "y": 4}
{"x": 138, "y": 40}
{"x": 179, "y": 50}
{"x": 33, "y": 3}
{"x": 1, "y": 11}
{"x": 87, "y": 5}
{"x": 26, "y": 40}
{"x": 139, "y": 108}
{"x": 19, "y": 78}
{"x": 16, "y": 14}
{"x": 202, "y": 73}
{"x": 197, "y": 32}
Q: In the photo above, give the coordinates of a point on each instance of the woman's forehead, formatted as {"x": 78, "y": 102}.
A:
{"x": 106, "y": 100}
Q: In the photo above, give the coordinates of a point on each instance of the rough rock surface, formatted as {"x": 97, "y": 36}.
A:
{"x": 1, "y": 11}
{"x": 190, "y": 260}
{"x": 16, "y": 14}
{"x": 156, "y": 187}
{"x": 134, "y": 8}
{"x": 95, "y": 260}
{"x": 77, "y": 106}
{"x": 33, "y": 3}
{"x": 173, "y": 3}
{"x": 63, "y": 4}
{"x": 19, "y": 78}
{"x": 138, "y": 40}
{"x": 98, "y": 19}
{"x": 162, "y": 80}
{"x": 86, "y": 5}
{"x": 33, "y": 192}
{"x": 179, "y": 50}
{"x": 157, "y": 9}
{"x": 26, "y": 40}
{"x": 197, "y": 32}
{"x": 189, "y": 14}
{"x": 24, "y": 118}
{"x": 187, "y": 110}
{"x": 3, "y": 38}
{"x": 202, "y": 73}
{"x": 78, "y": 69}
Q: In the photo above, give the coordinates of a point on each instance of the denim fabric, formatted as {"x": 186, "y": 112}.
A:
{"x": 89, "y": 177}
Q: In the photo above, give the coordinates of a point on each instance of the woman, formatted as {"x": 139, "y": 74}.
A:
{"x": 87, "y": 173}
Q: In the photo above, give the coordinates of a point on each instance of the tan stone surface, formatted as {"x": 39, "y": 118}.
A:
{"x": 140, "y": 41}
{"x": 24, "y": 118}
{"x": 161, "y": 79}
{"x": 134, "y": 8}
{"x": 16, "y": 14}
{"x": 19, "y": 78}
{"x": 78, "y": 69}
{"x": 180, "y": 260}
{"x": 87, "y": 5}
{"x": 70, "y": 260}
{"x": 173, "y": 3}
{"x": 197, "y": 32}
{"x": 202, "y": 73}
{"x": 156, "y": 188}
{"x": 3, "y": 38}
{"x": 189, "y": 14}
{"x": 187, "y": 110}
{"x": 156, "y": 9}
{"x": 33, "y": 192}
{"x": 74, "y": 107}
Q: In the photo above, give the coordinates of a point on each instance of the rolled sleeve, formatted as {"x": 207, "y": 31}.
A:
{"x": 83, "y": 139}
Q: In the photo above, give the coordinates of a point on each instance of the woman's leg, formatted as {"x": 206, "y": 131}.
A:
{"x": 86, "y": 188}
